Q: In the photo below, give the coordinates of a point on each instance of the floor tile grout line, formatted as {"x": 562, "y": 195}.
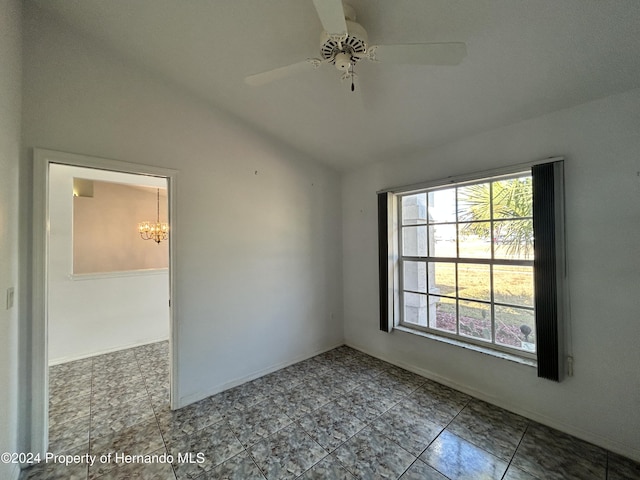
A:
{"x": 515, "y": 451}
{"x": 390, "y": 439}
{"x": 296, "y": 421}
{"x": 155, "y": 416}
{"x": 92, "y": 380}
{"x": 370, "y": 375}
{"x": 474, "y": 444}
{"x": 366, "y": 425}
{"x": 246, "y": 450}
{"x": 314, "y": 441}
{"x": 151, "y": 404}
{"x": 437, "y": 436}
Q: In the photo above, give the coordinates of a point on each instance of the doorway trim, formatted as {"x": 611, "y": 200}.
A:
{"x": 39, "y": 381}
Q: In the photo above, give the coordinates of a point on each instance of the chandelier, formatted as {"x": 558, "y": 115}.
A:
{"x": 154, "y": 231}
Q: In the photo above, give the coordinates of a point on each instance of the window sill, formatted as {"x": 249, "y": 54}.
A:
{"x": 476, "y": 348}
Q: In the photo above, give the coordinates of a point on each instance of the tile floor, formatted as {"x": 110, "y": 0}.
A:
{"x": 340, "y": 415}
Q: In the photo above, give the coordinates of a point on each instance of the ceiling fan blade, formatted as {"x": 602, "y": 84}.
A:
{"x": 282, "y": 72}
{"x": 421, "y": 53}
{"x": 331, "y": 16}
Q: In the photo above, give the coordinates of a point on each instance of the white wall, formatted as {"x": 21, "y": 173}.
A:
{"x": 258, "y": 231}
{"x": 258, "y": 235}
{"x": 601, "y": 144}
{"x": 10, "y": 111}
{"x": 93, "y": 314}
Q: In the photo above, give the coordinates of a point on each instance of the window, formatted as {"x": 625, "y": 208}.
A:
{"x": 458, "y": 261}
{"x": 466, "y": 262}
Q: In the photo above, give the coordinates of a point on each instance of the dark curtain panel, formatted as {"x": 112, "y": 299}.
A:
{"x": 547, "y": 198}
{"x": 383, "y": 255}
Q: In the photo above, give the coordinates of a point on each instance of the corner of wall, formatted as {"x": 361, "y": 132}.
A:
{"x": 10, "y": 134}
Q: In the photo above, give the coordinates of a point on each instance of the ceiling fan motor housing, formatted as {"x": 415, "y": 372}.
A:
{"x": 344, "y": 53}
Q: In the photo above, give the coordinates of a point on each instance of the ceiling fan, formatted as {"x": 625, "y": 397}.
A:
{"x": 344, "y": 43}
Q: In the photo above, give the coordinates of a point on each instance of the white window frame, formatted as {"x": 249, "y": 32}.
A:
{"x": 491, "y": 344}
{"x": 394, "y": 259}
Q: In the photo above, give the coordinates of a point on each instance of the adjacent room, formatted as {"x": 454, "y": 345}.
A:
{"x": 108, "y": 288}
{"x": 308, "y": 239}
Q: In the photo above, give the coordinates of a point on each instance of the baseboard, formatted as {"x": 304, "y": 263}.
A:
{"x": 600, "y": 441}
{"x": 58, "y": 361}
{"x": 189, "y": 399}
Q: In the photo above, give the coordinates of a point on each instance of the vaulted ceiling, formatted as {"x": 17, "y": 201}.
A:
{"x": 524, "y": 59}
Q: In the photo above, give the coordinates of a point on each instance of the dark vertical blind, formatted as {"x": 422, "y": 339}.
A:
{"x": 548, "y": 329}
{"x": 383, "y": 255}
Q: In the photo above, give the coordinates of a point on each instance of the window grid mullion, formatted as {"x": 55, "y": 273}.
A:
{"x": 458, "y": 257}
{"x": 427, "y": 289}
{"x": 401, "y": 262}
{"x": 429, "y": 253}
{"x": 493, "y": 257}
{"x": 486, "y": 302}
{"x": 505, "y": 219}
{"x": 480, "y": 261}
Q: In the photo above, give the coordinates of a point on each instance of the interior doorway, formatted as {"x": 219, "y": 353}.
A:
{"x": 108, "y": 289}
{"x": 47, "y": 167}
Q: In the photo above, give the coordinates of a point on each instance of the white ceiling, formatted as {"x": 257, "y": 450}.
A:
{"x": 524, "y": 58}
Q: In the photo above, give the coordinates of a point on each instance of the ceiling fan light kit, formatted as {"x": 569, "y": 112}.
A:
{"x": 343, "y": 43}
{"x": 344, "y": 50}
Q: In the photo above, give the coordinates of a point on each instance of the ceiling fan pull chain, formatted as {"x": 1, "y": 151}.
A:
{"x": 353, "y": 87}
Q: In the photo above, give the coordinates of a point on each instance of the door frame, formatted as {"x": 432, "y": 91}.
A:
{"x": 39, "y": 381}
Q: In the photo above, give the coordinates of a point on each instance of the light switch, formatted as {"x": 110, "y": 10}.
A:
{"x": 9, "y": 297}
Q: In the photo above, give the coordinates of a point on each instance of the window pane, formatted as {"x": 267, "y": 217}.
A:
{"x": 474, "y": 202}
{"x": 475, "y": 320}
{"x": 512, "y": 198}
{"x": 442, "y": 242}
{"x": 515, "y": 327}
{"x": 442, "y": 278}
{"x": 474, "y": 281}
{"x": 474, "y": 240}
{"x": 513, "y": 285}
{"x": 415, "y": 308}
{"x": 442, "y": 313}
{"x": 513, "y": 239}
{"x": 415, "y": 276}
{"x": 414, "y": 209}
{"x": 442, "y": 206}
{"x": 414, "y": 241}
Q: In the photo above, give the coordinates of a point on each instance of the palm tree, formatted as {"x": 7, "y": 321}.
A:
{"x": 512, "y": 213}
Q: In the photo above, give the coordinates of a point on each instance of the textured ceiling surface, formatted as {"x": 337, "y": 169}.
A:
{"x": 524, "y": 59}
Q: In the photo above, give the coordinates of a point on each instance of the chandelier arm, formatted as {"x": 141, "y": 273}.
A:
{"x": 156, "y": 232}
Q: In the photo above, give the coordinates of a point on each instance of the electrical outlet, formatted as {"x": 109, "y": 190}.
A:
{"x": 10, "y": 291}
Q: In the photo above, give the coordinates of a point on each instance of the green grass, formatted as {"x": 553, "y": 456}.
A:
{"x": 512, "y": 284}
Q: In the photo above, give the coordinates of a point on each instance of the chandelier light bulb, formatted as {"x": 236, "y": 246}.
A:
{"x": 156, "y": 231}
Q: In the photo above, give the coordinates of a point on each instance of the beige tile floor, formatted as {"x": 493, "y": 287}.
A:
{"x": 339, "y": 415}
